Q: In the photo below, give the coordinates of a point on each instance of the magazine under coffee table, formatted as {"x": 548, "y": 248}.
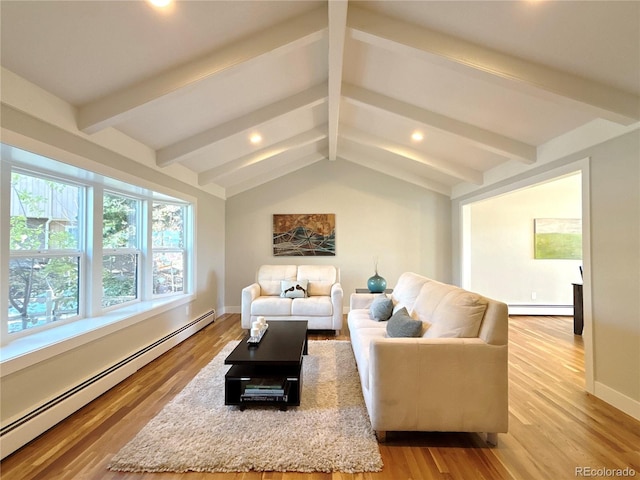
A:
{"x": 270, "y": 372}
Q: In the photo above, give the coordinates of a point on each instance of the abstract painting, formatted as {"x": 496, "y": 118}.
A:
{"x": 304, "y": 234}
{"x": 558, "y": 238}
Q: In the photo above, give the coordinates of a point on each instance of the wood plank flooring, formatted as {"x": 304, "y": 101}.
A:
{"x": 555, "y": 427}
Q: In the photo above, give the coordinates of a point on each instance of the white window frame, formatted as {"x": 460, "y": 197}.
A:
{"x": 21, "y": 351}
{"x": 137, "y": 251}
{"x": 43, "y": 253}
{"x": 48, "y": 254}
{"x": 186, "y": 222}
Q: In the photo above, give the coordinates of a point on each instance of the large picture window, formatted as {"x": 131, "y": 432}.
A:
{"x": 121, "y": 249}
{"x": 80, "y": 248}
{"x": 168, "y": 248}
{"x": 44, "y": 266}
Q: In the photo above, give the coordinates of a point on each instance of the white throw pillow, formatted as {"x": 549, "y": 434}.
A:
{"x": 458, "y": 315}
{"x": 293, "y": 289}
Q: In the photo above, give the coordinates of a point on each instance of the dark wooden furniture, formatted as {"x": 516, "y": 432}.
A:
{"x": 366, "y": 290}
{"x": 277, "y": 359}
{"x": 578, "y": 313}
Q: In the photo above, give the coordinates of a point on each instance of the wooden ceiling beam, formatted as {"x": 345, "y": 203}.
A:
{"x": 260, "y": 178}
{"x": 337, "y": 32}
{"x": 354, "y": 156}
{"x": 470, "y": 134}
{"x": 254, "y": 120}
{"x": 449, "y": 168}
{"x": 299, "y": 141}
{"x": 278, "y": 40}
{"x": 536, "y": 79}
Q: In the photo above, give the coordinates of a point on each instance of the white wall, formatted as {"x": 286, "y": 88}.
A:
{"x": 615, "y": 260}
{"x": 501, "y": 229}
{"x": 612, "y": 282}
{"x": 407, "y": 227}
{"x": 29, "y": 388}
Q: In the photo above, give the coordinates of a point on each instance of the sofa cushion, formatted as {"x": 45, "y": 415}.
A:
{"x": 406, "y": 290}
{"x": 270, "y": 306}
{"x": 361, "y": 318}
{"x": 430, "y": 296}
{"x": 293, "y": 288}
{"x": 270, "y": 276}
{"x": 320, "y": 278}
{"x": 312, "y": 306}
{"x": 459, "y": 314}
{"x": 381, "y": 308}
{"x": 402, "y": 325}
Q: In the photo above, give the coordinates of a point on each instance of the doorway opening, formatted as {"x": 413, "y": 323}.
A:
{"x": 498, "y": 255}
{"x": 525, "y": 247}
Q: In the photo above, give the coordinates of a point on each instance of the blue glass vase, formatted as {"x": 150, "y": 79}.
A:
{"x": 376, "y": 284}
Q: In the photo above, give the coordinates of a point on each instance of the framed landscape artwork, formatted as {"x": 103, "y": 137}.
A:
{"x": 557, "y": 238}
{"x": 304, "y": 234}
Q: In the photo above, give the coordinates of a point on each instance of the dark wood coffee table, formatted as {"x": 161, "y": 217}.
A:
{"x": 269, "y": 373}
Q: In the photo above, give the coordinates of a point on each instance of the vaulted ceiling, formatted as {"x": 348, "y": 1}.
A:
{"x": 485, "y": 83}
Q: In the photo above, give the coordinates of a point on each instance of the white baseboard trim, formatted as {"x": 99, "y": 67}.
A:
{"x": 21, "y": 431}
{"x": 620, "y": 401}
{"x": 564, "y": 310}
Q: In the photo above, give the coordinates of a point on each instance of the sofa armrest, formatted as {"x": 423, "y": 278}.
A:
{"x": 361, "y": 300}
{"x": 336, "y": 292}
{"x": 249, "y": 294}
{"x": 443, "y": 384}
{"x": 337, "y": 300}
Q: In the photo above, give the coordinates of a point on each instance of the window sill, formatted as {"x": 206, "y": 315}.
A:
{"x": 38, "y": 347}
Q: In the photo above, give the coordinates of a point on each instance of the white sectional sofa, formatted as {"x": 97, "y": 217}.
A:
{"x": 295, "y": 292}
{"x": 451, "y": 376}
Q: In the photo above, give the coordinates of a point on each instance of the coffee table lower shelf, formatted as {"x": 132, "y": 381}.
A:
{"x": 239, "y": 376}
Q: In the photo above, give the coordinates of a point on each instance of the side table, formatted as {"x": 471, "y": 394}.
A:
{"x": 366, "y": 290}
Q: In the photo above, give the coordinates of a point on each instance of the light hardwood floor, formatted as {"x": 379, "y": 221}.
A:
{"x": 555, "y": 427}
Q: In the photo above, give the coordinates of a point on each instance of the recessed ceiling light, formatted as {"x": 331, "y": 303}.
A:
{"x": 160, "y": 3}
{"x": 255, "y": 138}
{"x": 417, "y": 136}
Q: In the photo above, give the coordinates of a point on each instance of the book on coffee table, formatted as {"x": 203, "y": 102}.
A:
{"x": 266, "y": 393}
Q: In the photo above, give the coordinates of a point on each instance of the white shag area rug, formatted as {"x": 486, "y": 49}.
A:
{"x": 329, "y": 432}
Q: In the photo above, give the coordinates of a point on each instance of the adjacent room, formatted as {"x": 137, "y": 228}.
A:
{"x": 319, "y": 239}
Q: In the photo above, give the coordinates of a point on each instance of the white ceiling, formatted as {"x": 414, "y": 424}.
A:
{"x": 486, "y": 82}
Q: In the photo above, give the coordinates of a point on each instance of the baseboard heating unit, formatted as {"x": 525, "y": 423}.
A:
{"x": 522, "y": 309}
{"x": 24, "y": 429}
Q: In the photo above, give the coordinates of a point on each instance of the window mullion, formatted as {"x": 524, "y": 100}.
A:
{"x": 146, "y": 261}
{"x": 78, "y": 275}
{"x": 189, "y": 249}
{"x": 93, "y": 292}
{"x": 5, "y": 202}
{"x": 121, "y": 255}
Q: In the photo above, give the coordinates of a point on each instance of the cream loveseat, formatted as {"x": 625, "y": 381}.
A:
{"x": 451, "y": 376}
{"x": 295, "y": 292}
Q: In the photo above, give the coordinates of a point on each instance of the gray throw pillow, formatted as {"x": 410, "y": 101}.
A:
{"x": 402, "y": 325}
{"x": 381, "y": 308}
